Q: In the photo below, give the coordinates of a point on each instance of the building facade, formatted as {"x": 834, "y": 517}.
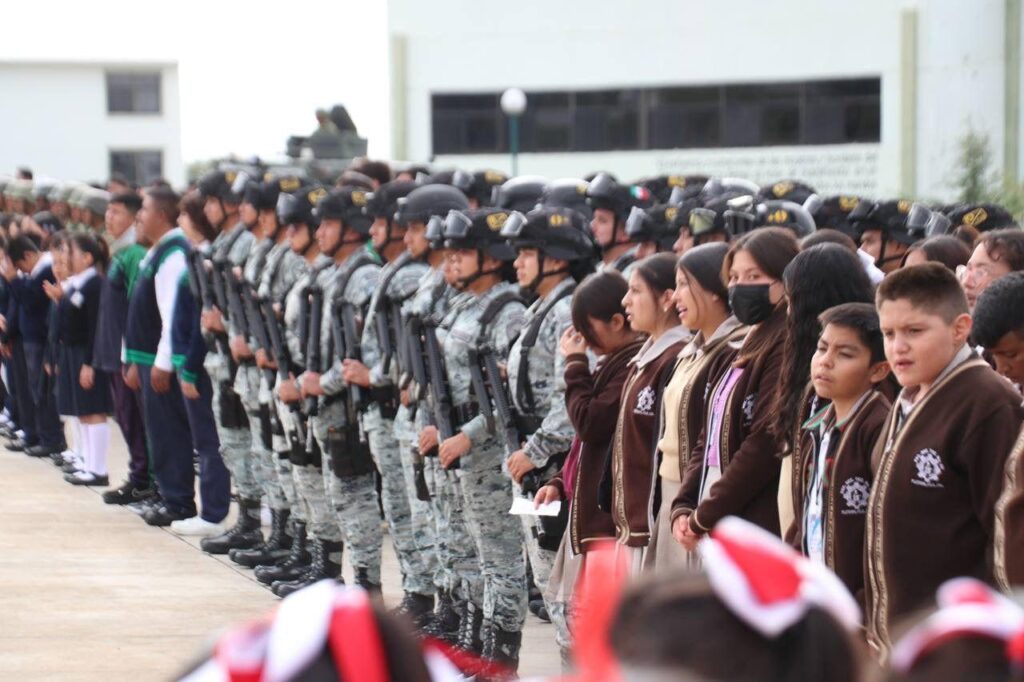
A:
{"x": 88, "y": 120}
{"x": 872, "y": 97}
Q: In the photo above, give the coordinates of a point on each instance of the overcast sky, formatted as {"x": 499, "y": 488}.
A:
{"x": 226, "y": 50}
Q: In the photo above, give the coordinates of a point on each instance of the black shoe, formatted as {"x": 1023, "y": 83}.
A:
{"x": 16, "y": 445}
{"x": 297, "y": 562}
{"x": 43, "y": 450}
{"x": 245, "y": 534}
{"x": 418, "y": 608}
{"x": 274, "y": 550}
{"x": 444, "y": 624}
{"x": 127, "y": 494}
{"x": 326, "y": 565}
{"x": 161, "y": 516}
{"x": 86, "y": 478}
{"x": 503, "y": 648}
{"x": 538, "y": 609}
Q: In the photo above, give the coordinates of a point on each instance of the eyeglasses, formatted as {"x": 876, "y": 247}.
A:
{"x": 978, "y": 272}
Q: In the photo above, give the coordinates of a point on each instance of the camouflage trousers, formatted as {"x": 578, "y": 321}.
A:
{"x": 281, "y": 445}
{"x": 542, "y": 561}
{"x": 236, "y": 449}
{"x": 353, "y": 502}
{"x": 458, "y": 561}
{"x": 486, "y": 498}
{"x": 408, "y": 518}
{"x": 251, "y": 387}
{"x": 321, "y": 522}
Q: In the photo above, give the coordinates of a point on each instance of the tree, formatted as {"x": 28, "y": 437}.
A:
{"x": 978, "y": 182}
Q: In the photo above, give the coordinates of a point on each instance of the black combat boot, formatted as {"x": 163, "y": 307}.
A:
{"x": 296, "y": 564}
{"x": 274, "y": 550}
{"x": 326, "y": 564}
{"x": 445, "y": 623}
{"x": 504, "y": 649}
{"x": 245, "y": 534}
{"x": 471, "y": 621}
{"x": 418, "y": 608}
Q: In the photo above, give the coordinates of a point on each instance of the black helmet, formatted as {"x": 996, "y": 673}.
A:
{"x": 567, "y": 193}
{"x": 982, "y": 217}
{"x": 888, "y": 216}
{"x": 776, "y": 213}
{"x": 221, "y": 185}
{"x": 457, "y": 178}
{"x": 345, "y": 204}
{"x": 658, "y": 224}
{"x": 484, "y": 182}
{"x": 556, "y": 232}
{"x": 383, "y": 202}
{"x": 297, "y": 207}
{"x": 716, "y": 187}
{"x": 731, "y": 213}
{"x": 923, "y": 222}
{"x": 478, "y": 229}
{"x": 788, "y": 190}
{"x": 605, "y": 193}
{"x": 834, "y": 213}
{"x": 662, "y": 187}
{"x": 519, "y": 194}
{"x": 264, "y": 195}
{"x": 429, "y": 200}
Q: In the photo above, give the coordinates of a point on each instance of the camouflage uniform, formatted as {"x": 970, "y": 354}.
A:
{"x": 248, "y": 382}
{"x": 354, "y": 500}
{"x": 321, "y": 522}
{"x": 408, "y": 518}
{"x": 458, "y": 565}
{"x": 486, "y": 496}
{"x": 283, "y": 268}
{"x": 235, "y": 444}
{"x": 546, "y": 369}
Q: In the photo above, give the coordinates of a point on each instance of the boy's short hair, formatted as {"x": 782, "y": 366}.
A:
{"x": 932, "y": 287}
{"x": 21, "y": 246}
{"x": 999, "y": 310}
{"x": 130, "y": 200}
{"x": 861, "y": 318}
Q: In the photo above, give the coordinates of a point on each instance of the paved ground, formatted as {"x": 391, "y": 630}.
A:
{"x": 90, "y": 592}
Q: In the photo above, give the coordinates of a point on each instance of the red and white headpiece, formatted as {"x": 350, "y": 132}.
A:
{"x": 967, "y": 608}
{"x": 766, "y": 583}
{"x": 282, "y": 645}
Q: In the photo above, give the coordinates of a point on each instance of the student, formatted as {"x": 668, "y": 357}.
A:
{"x": 702, "y": 303}
{"x": 759, "y": 612}
{"x": 148, "y": 357}
{"x": 998, "y": 327}
{"x": 735, "y": 469}
{"x": 592, "y": 398}
{"x": 650, "y": 309}
{"x": 188, "y": 351}
{"x": 832, "y": 465}
{"x": 946, "y": 249}
{"x": 125, "y": 255}
{"x": 939, "y": 462}
{"x": 89, "y": 387}
{"x": 997, "y": 254}
{"x": 61, "y": 385}
{"x": 33, "y": 306}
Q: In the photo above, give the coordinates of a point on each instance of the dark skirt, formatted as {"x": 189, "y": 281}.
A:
{"x": 72, "y": 399}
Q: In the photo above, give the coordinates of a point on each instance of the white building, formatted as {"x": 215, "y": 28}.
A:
{"x": 87, "y": 120}
{"x": 870, "y": 96}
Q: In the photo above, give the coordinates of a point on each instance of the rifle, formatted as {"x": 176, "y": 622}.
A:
{"x": 313, "y": 356}
{"x": 348, "y": 347}
{"x": 219, "y": 292}
{"x": 495, "y": 385}
{"x": 257, "y": 324}
{"x": 197, "y": 268}
{"x": 280, "y": 354}
{"x": 440, "y": 395}
{"x": 232, "y": 290}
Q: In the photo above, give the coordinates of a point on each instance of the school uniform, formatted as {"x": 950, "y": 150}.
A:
{"x": 938, "y": 471}
{"x": 33, "y": 307}
{"x": 831, "y": 484}
{"x": 147, "y": 345}
{"x": 188, "y": 351}
{"x": 17, "y": 372}
{"x": 735, "y": 469}
{"x": 77, "y": 319}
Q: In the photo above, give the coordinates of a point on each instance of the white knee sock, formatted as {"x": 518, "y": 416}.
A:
{"x": 79, "y": 446}
{"x": 97, "y": 435}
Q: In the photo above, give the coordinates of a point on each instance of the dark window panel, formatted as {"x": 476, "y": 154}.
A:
{"x": 547, "y": 122}
{"x": 133, "y": 93}
{"x": 140, "y": 167}
{"x": 683, "y": 117}
{"x": 607, "y": 120}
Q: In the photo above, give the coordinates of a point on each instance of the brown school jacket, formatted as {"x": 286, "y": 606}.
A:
{"x": 749, "y": 453}
{"x": 847, "y": 487}
{"x": 634, "y": 464}
{"x": 1009, "y": 541}
{"x": 593, "y": 404}
{"x": 931, "y": 514}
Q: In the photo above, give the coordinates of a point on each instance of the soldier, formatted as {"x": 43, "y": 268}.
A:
{"x": 349, "y": 475}
{"x": 229, "y": 250}
{"x": 408, "y": 517}
{"x": 611, "y": 203}
{"x": 302, "y": 335}
{"x": 883, "y": 231}
{"x": 485, "y": 321}
{"x": 270, "y": 271}
{"x": 654, "y": 229}
{"x": 458, "y": 566}
{"x": 519, "y": 194}
{"x": 554, "y": 253}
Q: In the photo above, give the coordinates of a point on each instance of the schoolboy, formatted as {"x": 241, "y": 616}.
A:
{"x": 832, "y": 469}
{"x": 938, "y": 465}
{"x": 999, "y": 325}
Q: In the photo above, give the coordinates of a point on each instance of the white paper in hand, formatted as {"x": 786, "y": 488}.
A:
{"x": 524, "y": 507}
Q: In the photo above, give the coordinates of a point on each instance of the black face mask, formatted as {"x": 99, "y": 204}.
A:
{"x": 750, "y": 303}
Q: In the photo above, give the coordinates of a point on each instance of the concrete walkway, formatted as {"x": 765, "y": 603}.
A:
{"x": 90, "y": 592}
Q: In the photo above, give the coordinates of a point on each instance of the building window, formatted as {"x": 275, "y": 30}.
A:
{"x": 740, "y": 115}
{"x": 133, "y": 93}
{"x": 138, "y": 166}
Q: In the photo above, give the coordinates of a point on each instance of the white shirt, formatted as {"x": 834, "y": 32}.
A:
{"x": 166, "y": 280}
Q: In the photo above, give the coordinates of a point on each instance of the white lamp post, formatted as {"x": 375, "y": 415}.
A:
{"x": 513, "y": 104}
